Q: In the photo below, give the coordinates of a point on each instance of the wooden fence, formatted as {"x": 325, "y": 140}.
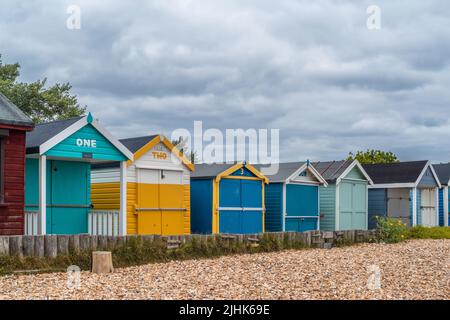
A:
{"x": 53, "y": 245}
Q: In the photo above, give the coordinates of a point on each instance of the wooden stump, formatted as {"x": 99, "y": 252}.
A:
{"x": 102, "y": 262}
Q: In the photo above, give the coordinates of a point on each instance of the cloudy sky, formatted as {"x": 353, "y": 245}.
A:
{"x": 309, "y": 68}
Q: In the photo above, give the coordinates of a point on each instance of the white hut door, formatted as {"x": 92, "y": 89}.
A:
{"x": 428, "y": 207}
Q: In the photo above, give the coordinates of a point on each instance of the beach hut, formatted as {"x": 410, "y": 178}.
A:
{"x": 57, "y": 182}
{"x": 343, "y": 204}
{"x": 404, "y": 190}
{"x": 227, "y": 198}
{"x": 158, "y": 187}
{"x": 443, "y": 172}
{"x": 13, "y": 127}
{"x": 292, "y": 197}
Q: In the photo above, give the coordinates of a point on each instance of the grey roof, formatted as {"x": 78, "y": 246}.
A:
{"x": 285, "y": 170}
{"x": 332, "y": 170}
{"x": 398, "y": 172}
{"x": 209, "y": 170}
{"x": 134, "y": 144}
{"x": 443, "y": 172}
{"x": 45, "y": 131}
{"x": 11, "y": 114}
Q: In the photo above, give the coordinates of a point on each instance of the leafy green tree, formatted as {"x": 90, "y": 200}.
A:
{"x": 39, "y": 102}
{"x": 373, "y": 156}
{"x": 180, "y": 143}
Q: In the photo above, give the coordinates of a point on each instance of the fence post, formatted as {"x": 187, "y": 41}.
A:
{"x": 39, "y": 246}
{"x": 4, "y": 246}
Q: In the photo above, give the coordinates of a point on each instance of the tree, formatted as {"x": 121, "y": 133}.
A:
{"x": 180, "y": 143}
{"x": 39, "y": 102}
{"x": 373, "y": 156}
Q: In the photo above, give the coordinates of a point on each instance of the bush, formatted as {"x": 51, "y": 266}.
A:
{"x": 391, "y": 230}
{"x": 420, "y": 232}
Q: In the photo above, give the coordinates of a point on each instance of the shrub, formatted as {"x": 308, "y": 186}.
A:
{"x": 420, "y": 232}
{"x": 391, "y": 230}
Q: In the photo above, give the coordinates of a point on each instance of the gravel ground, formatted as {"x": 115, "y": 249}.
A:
{"x": 417, "y": 269}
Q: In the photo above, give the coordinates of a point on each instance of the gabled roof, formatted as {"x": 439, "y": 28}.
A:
{"x": 220, "y": 170}
{"x": 289, "y": 170}
{"x": 443, "y": 172}
{"x": 141, "y": 145}
{"x": 134, "y": 144}
{"x": 48, "y": 135}
{"x": 399, "y": 172}
{"x": 45, "y": 131}
{"x": 334, "y": 171}
{"x": 10, "y": 114}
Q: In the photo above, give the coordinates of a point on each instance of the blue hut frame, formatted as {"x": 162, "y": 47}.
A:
{"x": 59, "y": 155}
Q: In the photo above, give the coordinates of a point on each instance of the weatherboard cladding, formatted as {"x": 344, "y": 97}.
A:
{"x": 10, "y": 114}
{"x": 328, "y": 207}
{"x": 377, "y": 205}
{"x": 273, "y": 198}
{"x": 399, "y": 172}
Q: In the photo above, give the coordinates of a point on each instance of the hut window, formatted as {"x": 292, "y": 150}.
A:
{"x": 2, "y": 165}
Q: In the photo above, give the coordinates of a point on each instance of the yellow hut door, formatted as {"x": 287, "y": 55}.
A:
{"x": 171, "y": 202}
{"x": 160, "y": 202}
{"x": 147, "y": 209}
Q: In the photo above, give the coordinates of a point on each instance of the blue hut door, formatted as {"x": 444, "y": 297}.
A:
{"x": 69, "y": 205}
{"x": 240, "y": 209}
{"x": 251, "y": 201}
{"x": 302, "y": 210}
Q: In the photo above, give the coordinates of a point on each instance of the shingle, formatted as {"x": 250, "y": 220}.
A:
{"x": 399, "y": 172}
{"x": 443, "y": 172}
{"x": 45, "y": 131}
{"x": 11, "y": 114}
{"x": 331, "y": 170}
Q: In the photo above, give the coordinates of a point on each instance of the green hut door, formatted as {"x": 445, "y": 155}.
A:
{"x": 69, "y": 203}
{"x": 352, "y": 205}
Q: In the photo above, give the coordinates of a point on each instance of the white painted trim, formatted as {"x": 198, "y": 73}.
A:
{"x": 445, "y": 201}
{"x": 355, "y": 163}
{"x": 123, "y": 199}
{"x": 43, "y": 148}
{"x": 302, "y": 217}
{"x": 435, "y": 175}
{"x": 336, "y": 216}
{"x": 414, "y": 206}
{"x": 436, "y": 179}
{"x": 437, "y": 206}
{"x": 47, "y": 145}
{"x": 318, "y": 208}
{"x": 393, "y": 186}
{"x": 283, "y": 206}
{"x": 113, "y": 140}
{"x": 42, "y": 218}
{"x": 311, "y": 169}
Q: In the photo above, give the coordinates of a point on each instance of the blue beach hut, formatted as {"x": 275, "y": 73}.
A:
{"x": 227, "y": 198}
{"x": 443, "y": 172}
{"x": 292, "y": 197}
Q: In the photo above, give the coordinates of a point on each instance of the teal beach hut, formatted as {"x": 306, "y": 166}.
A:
{"x": 343, "y": 204}
{"x": 292, "y": 197}
{"x": 57, "y": 180}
